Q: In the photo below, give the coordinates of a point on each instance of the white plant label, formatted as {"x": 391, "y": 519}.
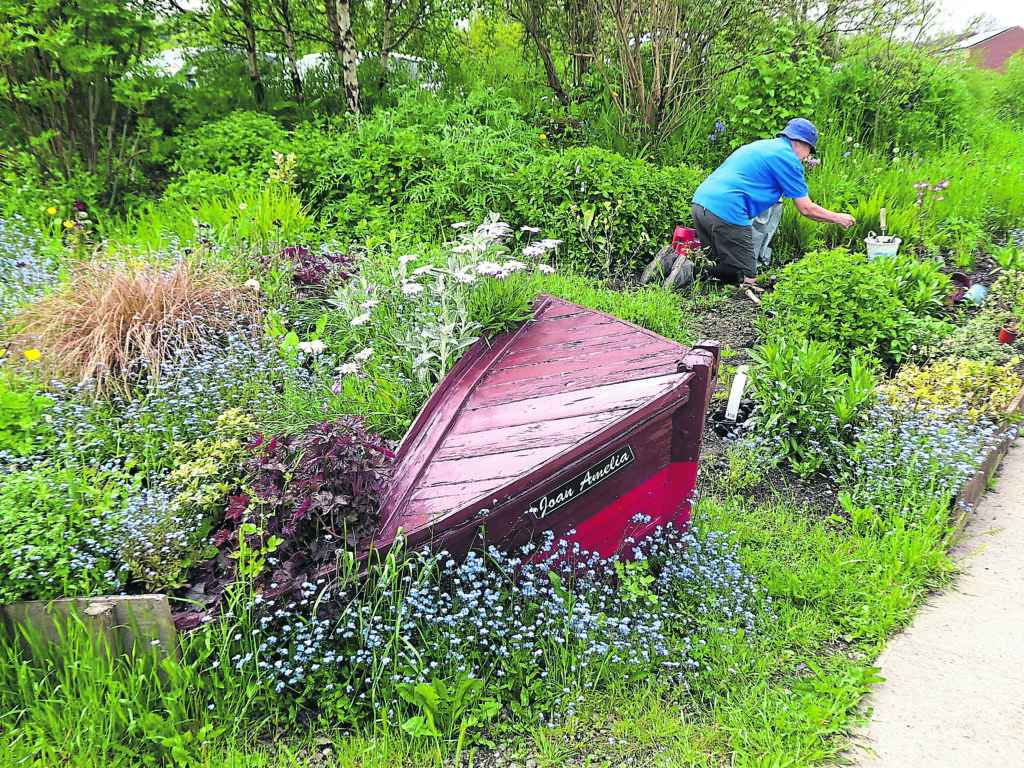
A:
{"x": 739, "y": 383}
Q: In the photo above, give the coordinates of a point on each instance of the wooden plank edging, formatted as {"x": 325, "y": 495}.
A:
{"x": 966, "y": 501}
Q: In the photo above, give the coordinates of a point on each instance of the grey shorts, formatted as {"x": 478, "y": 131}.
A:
{"x": 724, "y": 243}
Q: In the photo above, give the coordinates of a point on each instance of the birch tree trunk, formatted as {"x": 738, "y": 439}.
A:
{"x": 245, "y": 6}
{"x": 345, "y": 51}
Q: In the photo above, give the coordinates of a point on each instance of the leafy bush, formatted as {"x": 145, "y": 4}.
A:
{"x": 807, "y": 404}
{"x": 981, "y": 388}
{"x": 239, "y": 145}
{"x": 919, "y": 285}
{"x": 773, "y": 87}
{"x": 838, "y": 297}
{"x": 60, "y": 534}
{"x": 118, "y": 323}
{"x": 588, "y": 193}
{"x": 309, "y": 498}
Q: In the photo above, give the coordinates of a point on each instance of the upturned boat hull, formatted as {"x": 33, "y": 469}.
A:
{"x": 577, "y": 423}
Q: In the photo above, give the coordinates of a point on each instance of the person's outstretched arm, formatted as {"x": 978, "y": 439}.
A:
{"x": 815, "y": 212}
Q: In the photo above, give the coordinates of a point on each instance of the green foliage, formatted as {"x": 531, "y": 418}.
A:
{"x": 981, "y": 388}
{"x": 67, "y": 93}
{"x": 240, "y": 142}
{"x": 55, "y": 524}
{"x": 587, "y": 193}
{"x": 919, "y": 285}
{"x": 837, "y": 297}
{"x": 447, "y": 710}
{"x": 1008, "y": 92}
{"x": 808, "y": 404}
{"x": 894, "y": 94}
{"x": 23, "y": 426}
{"x": 1009, "y": 257}
{"x": 773, "y": 87}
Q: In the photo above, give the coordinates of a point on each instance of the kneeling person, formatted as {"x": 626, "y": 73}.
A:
{"x": 751, "y": 180}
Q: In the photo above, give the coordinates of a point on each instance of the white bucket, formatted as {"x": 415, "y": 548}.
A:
{"x": 878, "y": 249}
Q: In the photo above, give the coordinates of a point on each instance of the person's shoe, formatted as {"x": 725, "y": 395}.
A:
{"x": 681, "y": 274}
{"x": 660, "y": 266}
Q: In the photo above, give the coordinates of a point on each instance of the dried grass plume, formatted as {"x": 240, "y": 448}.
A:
{"x": 118, "y": 323}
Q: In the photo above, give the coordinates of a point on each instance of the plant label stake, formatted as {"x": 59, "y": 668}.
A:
{"x": 739, "y": 383}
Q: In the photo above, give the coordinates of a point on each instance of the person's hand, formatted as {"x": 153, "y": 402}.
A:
{"x": 845, "y": 220}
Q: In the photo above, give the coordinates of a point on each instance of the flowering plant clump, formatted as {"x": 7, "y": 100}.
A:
{"x": 981, "y": 388}
{"x": 912, "y": 460}
{"x": 537, "y": 628}
{"x": 27, "y": 267}
{"x": 307, "y": 497}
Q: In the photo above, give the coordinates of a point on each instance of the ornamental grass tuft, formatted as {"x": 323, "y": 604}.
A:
{"x": 118, "y": 323}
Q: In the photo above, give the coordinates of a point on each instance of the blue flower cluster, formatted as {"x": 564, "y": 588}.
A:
{"x": 543, "y": 625}
{"x": 906, "y": 457}
{"x": 27, "y": 266}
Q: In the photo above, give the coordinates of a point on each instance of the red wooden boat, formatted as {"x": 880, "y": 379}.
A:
{"x": 577, "y": 423}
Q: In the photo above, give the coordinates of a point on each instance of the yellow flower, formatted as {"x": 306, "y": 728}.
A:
{"x": 543, "y": 137}
{"x": 52, "y": 211}
{"x": 68, "y": 224}
{"x": 31, "y": 354}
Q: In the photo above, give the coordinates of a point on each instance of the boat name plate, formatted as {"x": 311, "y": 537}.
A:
{"x": 583, "y": 482}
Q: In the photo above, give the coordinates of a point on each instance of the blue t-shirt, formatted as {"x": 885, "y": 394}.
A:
{"x": 751, "y": 180}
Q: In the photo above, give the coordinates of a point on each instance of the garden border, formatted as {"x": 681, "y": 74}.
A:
{"x": 966, "y": 501}
{"x": 111, "y": 616}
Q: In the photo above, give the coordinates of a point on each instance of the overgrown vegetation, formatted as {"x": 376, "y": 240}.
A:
{"x": 225, "y": 295}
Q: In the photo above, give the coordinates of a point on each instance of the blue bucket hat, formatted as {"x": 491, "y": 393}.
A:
{"x": 799, "y": 129}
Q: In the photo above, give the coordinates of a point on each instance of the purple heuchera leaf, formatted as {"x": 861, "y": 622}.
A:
{"x": 326, "y": 479}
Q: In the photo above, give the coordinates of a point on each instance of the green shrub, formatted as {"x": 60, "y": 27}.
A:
{"x": 807, "y": 403}
{"x": 239, "y": 144}
{"x": 585, "y": 194}
{"x": 895, "y": 95}
{"x": 772, "y": 87}
{"x": 1008, "y": 94}
{"x": 838, "y": 297}
{"x": 57, "y": 532}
